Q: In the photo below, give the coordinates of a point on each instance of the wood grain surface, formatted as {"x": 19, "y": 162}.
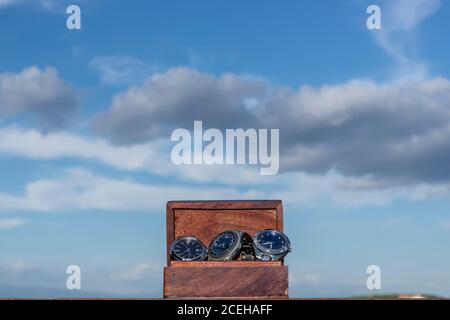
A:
{"x": 225, "y": 280}
{"x": 206, "y": 219}
{"x": 207, "y": 224}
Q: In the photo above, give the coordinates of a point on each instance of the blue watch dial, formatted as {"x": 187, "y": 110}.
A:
{"x": 188, "y": 249}
{"x": 223, "y": 243}
{"x": 272, "y": 240}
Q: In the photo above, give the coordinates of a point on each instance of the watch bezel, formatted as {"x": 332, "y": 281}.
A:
{"x": 176, "y": 257}
{"x": 272, "y": 252}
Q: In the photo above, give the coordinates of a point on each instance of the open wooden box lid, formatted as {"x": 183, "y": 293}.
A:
{"x": 206, "y": 219}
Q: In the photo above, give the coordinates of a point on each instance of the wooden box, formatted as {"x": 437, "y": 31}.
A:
{"x": 238, "y": 279}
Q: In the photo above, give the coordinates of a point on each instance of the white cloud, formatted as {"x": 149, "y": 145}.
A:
{"x": 400, "y": 18}
{"x": 321, "y": 128}
{"x": 340, "y": 190}
{"x": 174, "y": 99}
{"x": 44, "y": 4}
{"x": 356, "y": 143}
{"x": 11, "y": 223}
{"x": 5, "y": 3}
{"x": 445, "y": 224}
{"x": 34, "y": 144}
{"x": 41, "y": 93}
{"x": 406, "y": 15}
{"x": 121, "y": 70}
{"x": 78, "y": 189}
{"x": 140, "y": 271}
{"x": 312, "y": 278}
{"x": 152, "y": 157}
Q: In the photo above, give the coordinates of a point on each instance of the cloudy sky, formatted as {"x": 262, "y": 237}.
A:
{"x": 86, "y": 117}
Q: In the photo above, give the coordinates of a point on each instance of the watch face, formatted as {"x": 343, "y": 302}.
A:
{"x": 272, "y": 241}
{"x": 188, "y": 249}
{"x": 223, "y": 242}
{"x": 225, "y": 246}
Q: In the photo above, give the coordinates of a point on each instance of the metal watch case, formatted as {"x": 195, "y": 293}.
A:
{"x": 173, "y": 255}
{"x": 230, "y": 253}
{"x": 266, "y": 254}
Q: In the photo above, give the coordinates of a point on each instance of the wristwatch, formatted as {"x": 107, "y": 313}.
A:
{"x": 230, "y": 245}
{"x": 188, "y": 249}
{"x": 271, "y": 245}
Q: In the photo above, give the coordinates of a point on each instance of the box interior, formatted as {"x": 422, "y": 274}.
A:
{"x": 207, "y": 223}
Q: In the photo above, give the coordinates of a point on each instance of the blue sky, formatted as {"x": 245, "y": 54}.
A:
{"x": 86, "y": 116}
